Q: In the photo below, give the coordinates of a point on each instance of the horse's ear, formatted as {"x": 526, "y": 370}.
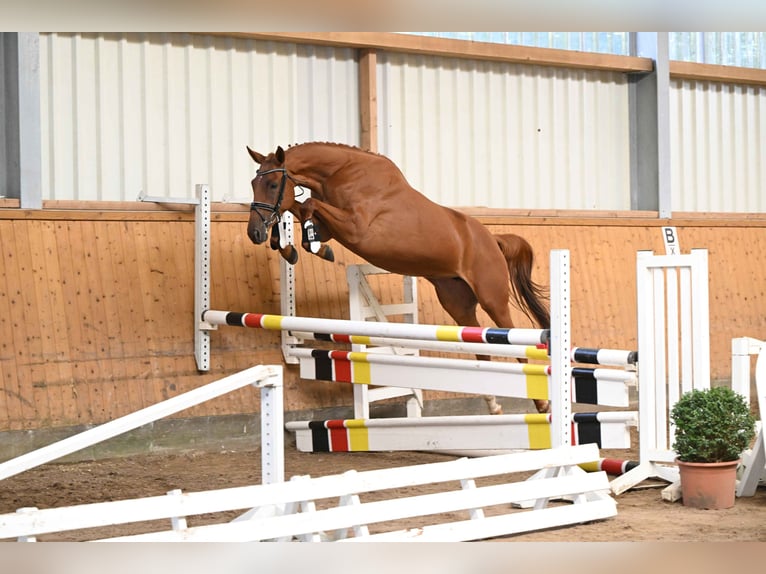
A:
{"x": 257, "y": 158}
{"x": 280, "y": 154}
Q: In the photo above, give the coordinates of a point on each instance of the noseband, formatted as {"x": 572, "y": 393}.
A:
{"x": 274, "y": 209}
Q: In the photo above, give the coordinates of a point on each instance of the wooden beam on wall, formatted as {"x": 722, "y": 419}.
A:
{"x": 715, "y": 73}
{"x": 368, "y": 99}
{"x": 430, "y": 46}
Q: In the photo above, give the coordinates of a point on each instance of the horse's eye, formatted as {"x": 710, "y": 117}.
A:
{"x": 273, "y": 185}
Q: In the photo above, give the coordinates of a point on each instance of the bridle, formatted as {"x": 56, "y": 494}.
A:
{"x": 274, "y": 209}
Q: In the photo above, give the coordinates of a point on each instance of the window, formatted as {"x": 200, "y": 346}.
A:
{"x": 745, "y": 49}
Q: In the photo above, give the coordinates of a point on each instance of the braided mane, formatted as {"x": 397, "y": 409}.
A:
{"x": 334, "y": 144}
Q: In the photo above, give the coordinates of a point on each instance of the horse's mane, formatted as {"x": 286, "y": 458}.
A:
{"x": 335, "y": 144}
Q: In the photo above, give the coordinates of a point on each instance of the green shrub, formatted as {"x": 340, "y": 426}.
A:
{"x": 712, "y": 425}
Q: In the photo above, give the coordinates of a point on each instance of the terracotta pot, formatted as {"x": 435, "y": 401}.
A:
{"x": 708, "y": 485}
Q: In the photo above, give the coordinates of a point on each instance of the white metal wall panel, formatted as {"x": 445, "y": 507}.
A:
{"x": 718, "y": 147}
{"x": 471, "y": 133}
{"x": 159, "y": 113}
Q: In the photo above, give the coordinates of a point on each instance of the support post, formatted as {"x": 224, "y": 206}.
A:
{"x": 364, "y": 306}
{"x": 649, "y": 121}
{"x": 559, "y": 382}
{"x": 272, "y": 427}
{"x": 20, "y": 132}
{"x": 202, "y": 277}
{"x": 287, "y": 286}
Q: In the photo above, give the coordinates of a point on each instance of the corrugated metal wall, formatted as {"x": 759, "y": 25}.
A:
{"x": 159, "y": 113}
{"x": 717, "y": 147}
{"x": 470, "y": 133}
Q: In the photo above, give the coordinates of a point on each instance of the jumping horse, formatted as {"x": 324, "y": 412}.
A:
{"x": 363, "y": 201}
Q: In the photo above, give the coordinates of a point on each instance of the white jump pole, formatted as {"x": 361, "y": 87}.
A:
{"x": 376, "y": 329}
{"x": 266, "y": 377}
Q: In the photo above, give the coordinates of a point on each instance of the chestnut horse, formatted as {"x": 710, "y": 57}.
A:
{"x": 363, "y": 201}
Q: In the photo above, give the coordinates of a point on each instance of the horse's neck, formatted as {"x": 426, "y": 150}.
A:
{"x": 313, "y": 166}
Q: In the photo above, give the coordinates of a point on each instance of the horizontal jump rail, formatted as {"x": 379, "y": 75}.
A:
{"x": 605, "y": 357}
{"x": 470, "y": 420}
{"x": 613, "y": 375}
{"x": 496, "y": 335}
{"x": 463, "y": 433}
{"x": 503, "y": 379}
{"x": 537, "y": 352}
{"x": 475, "y": 365}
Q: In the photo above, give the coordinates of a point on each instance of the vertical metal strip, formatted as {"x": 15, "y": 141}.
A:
{"x": 287, "y": 287}
{"x": 646, "y": 355}
{"x": 272, "y": 428}
{"x": 701, "y": 318}
{"x": 202, "y": 276}
{"x": 561, "y": 343}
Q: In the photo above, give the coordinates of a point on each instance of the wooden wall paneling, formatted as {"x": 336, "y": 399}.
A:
{"x": 255, "y": 273}
{"x": 307, "y": 305}
{"x": 187, "y": 377}
{"x": 252, "y": 286}
{"x": 162, "y": 305}
{"x": 120, "y": 300}
{"x": 59, "y": 387}
{"x": 238, "y": 284}
{"x": 115, "y": 284}
{"x": 95, "y": 351}
{"x": 144, "y": 279}
{"x": 56, "y": 302}
{"x": 236, "y": 277}
{"x": 170, "y": 306}
{"x": 71, "y": 261}
{"x": 333, "y": 284}
{"x": 221, "y": 338}
{"x": 70, "y": 324}
{"x": 307, "y": 301}
{"x": 10, "y": 404}
{"x": 5, "y": 390}
{"x": 125, "y": 261}
{"x": 44, "y": 309}
{"x": 739, "y": 258}
{"x": 26, "y": 328}
{"x": 229, "y": 291}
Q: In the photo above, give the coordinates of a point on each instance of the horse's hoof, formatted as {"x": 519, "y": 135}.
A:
{"x": 328, "y": 254}
{"x": 543, "y": 406}
{"x": 292, "y": 256}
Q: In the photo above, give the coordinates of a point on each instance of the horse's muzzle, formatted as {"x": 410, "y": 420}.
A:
{"x": 257, "y": 233}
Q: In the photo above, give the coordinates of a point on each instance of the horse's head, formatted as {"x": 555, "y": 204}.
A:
{"x": 273, "y": 194}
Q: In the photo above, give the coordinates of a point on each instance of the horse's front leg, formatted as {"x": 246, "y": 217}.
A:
{"x": 313, "y": 238}
{"x": 289, "y": 253}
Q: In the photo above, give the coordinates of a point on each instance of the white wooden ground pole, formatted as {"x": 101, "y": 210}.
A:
{"x": 458, "y": 506}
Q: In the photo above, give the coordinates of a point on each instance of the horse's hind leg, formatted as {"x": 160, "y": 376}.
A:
{"x": 493, "y": 294}
{"x": 459, "y": 301}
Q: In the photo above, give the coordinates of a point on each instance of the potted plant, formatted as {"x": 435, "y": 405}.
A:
{"x": 712, "y": 428}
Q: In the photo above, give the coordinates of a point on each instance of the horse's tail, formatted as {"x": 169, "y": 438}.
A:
{"x": 528, "y": 295}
